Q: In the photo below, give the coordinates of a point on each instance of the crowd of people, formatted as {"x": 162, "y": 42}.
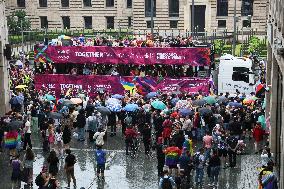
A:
{"x": 189, "y": 134}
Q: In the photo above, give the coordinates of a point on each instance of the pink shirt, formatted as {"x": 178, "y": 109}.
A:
{"x": 207, "y": 141}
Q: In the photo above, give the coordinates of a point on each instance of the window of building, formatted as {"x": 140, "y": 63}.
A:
{"x": 246, "y": 23}
{"x": 110, "y": 22}
{"x": 64, "y": 3}
{"x": 109, "y": 3}
{"x": 173, "y": 8}
{"x": 221, "y": 23}
{"x": 148, "y": 8}
{"x": 42, "y": 3}
{"x": 240, "y": 74}
{"x": 43, "y": 22}
{"x": 66, "y": 22}
{"x": 87, "y": 3}
{"x": 129, "y": 22}
{"x": 21, "y": 3}
{"x": 129, "y": 3}
{"x": 148, "y": 23}
{"x": 247, "y": 7}
{"x": 88, "y": 22}
{"x": 173, "y": 23}
{"x": 222, "y": 7}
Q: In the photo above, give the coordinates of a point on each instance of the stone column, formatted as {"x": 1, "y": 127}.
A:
{"x": 4, "y": 80}
{"x": 273, "y": 104}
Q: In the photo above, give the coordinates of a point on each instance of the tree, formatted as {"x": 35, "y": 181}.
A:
{"x": 219, "y": 46}
{"x": 254, "y": 45}
{"x": 15, "y": 19}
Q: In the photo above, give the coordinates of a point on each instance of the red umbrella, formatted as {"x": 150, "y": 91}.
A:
{"x": 259, "y": 90}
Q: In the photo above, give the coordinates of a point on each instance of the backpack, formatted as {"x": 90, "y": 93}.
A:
{"x": 128, "y": 120}
{"x": 39, "y": 180}
{"x": 196, "y": 159}
{"x": 166, "y": 183}
{"x": 93, "y": 124}
{"x": 51, "y": 184}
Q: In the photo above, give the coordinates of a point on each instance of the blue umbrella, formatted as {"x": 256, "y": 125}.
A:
{"x": 174, "y": 101}
{"x": 235, "y": 104}
{"x": 131, "y": 107}
{"x": 49, "y": 97}
{"x": 204, "y": 111}
{"x": 152, "y": 94}
{"x": 117, "y": 96}
{"x": 114, "y": 107}
{"x": 14, "y": 101}
{"x": 186, "y": 112}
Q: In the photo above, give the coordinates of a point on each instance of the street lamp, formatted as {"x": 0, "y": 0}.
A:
{"x": 235, "y": 28}
{"x": 152, "y": 18}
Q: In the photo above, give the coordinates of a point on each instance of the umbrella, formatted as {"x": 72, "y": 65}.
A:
{"x": 14, "y": 125}
{"x": 264, "y": 104}
{"x": 112, "y": 101}
{"x": 17, "y": 100}
{"x": 222, "y": 99}
{"x": 49, "y": 97}
{"x": 131, "y": 107}
{"x": 248, "y": 101}
{"x": 68, "y": 103}
{"x": 103, "y": 110}
{"x": 117, "y": 96}
{"x": 235, "y": 104}
{"x": 114, "y": 107}
{"x": 204, "y": 111}
{"x": 76, "y": 100}
{"x": 158, "y": 105}
{"x": 55, "y": 115}
{"x": 199, "y": 102}
{"x": 210, "y": 100}
{"x": 186, "y": 112}
{"x": 174, "y": 101}
{"x": 181, "y": 104}
{"x": 259, "y": 90}
{"x": 152, "y": 94}
{"x": 21, "y": 86}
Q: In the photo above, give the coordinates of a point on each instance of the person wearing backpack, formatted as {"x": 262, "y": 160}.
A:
{"x": 167, "y": 182}
{"x": 92, "y": 124}
{"x": 70, "y": 161}
{"x": 101, "y": 161}
{"x": 199, "y": 161}
{"x": 52, "y": 182}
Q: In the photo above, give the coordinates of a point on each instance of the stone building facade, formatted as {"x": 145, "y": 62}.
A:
{"x": 4, "y": 79}
{"x": 135, "y": 14}
{"x": 275, "y": 82}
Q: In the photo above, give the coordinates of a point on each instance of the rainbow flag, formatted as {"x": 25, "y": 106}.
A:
{"x": 172, "y": 155}
{"x": 188, "y": 145}
{"x": 11, "y": 139}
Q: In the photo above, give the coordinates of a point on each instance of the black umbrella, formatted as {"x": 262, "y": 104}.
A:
{"x": 103, "y": 110}
{"x": 222, "y": 99}
{"x": 204, "y": 111}
{"x": 199, "y": 102}
{"x": 55, "y": 115}
{"x": 68, "y": 103}
{"x": 14, "y": 125}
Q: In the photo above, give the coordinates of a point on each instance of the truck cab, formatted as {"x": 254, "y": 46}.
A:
{"x": 235, "y": 73}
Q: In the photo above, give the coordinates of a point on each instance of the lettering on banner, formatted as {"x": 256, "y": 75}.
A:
{"x": 90, "y": 54}
{"x": 237, "y": 86}
{"x": 169, "y": 56}
{"x": 68, "y": 86}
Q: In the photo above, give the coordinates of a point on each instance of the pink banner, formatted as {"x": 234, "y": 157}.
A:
{"x": 118, "y": 85}
{"x": 195, "y": 56}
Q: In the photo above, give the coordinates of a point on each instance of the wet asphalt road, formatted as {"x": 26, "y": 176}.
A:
{"x": 124, "y": 172}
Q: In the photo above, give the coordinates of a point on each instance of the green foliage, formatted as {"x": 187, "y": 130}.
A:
{"x": 254, "y": 45}
{"x": 15, "y": 19}
{"x": 219, "y": 46}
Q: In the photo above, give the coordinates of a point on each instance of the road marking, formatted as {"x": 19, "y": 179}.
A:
{"x": 87, "y": 150}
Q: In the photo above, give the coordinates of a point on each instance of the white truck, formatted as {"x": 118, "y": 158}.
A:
{"x": 235, "y": 73}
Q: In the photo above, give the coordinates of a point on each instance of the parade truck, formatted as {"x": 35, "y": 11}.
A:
{"x": 235, "y": 74}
